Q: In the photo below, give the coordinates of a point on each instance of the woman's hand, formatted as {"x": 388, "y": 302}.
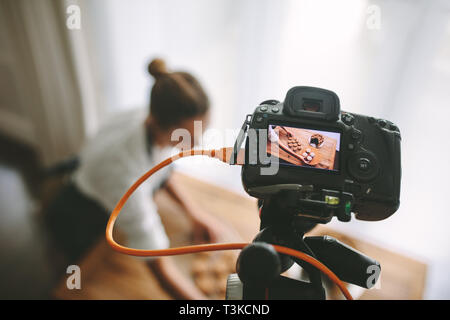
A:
{"x": 207, "y": 228}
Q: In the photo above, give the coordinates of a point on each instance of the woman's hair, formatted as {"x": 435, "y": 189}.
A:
{"x": 175, "y": 96}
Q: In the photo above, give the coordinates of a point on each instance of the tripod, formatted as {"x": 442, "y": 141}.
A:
{"x": 259, "y": 266}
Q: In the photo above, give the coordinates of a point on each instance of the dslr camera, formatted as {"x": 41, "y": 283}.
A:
{"x": 328, "y": 162}
{"x": 306, "y": 162}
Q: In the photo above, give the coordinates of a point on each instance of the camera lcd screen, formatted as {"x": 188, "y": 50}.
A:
{"x": 294, "y": 146}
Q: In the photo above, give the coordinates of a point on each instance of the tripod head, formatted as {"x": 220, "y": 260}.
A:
{"x": 302, "y": 205}
{"x": 287, "y": 212}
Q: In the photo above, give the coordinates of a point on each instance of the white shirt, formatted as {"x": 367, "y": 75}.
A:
{"x": 110, "y": 163}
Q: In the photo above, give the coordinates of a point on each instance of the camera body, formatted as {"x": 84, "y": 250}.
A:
{"x": 341, "y": 156}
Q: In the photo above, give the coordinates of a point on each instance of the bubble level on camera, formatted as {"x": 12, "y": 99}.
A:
{"x": 332, "y": 200}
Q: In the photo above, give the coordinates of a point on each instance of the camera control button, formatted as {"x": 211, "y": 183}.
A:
{"x": 263, "y": 108}
{"x": 364, "y": 164}
{"x": 348, "y": 119}
{"x": 393, "y": 127}
{"x": 275, "y": 109}
{"x": 356, "y": 134}
{"x": 382, "y": 123}
{"x": 351, "y": 146}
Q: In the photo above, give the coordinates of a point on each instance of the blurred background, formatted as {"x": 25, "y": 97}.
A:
{"x": 59, "y": 82}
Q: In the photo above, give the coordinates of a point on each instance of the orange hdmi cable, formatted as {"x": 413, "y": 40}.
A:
{"x": 222, "y": 154}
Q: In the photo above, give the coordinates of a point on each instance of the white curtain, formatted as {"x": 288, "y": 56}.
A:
{"x": 247, "y": 51}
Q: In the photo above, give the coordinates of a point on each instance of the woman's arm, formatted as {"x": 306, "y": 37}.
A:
{"x": 179, "y": 195}
{"x": 206, "y": 226}
{"x": 178, "y": 284}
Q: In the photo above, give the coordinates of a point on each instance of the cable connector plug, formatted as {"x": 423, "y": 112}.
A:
{"x": 225, "y": 154}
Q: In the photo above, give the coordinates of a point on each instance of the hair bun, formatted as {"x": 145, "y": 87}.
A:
{"x": 157, "y": 68}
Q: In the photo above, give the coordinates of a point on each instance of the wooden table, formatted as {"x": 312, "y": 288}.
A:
{"x": 106, "y": 274}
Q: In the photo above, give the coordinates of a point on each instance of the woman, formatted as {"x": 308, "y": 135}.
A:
{"x": 120, "y": 154}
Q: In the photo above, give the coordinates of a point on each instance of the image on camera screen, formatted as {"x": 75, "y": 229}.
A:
{"x": 304, "y": 147}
